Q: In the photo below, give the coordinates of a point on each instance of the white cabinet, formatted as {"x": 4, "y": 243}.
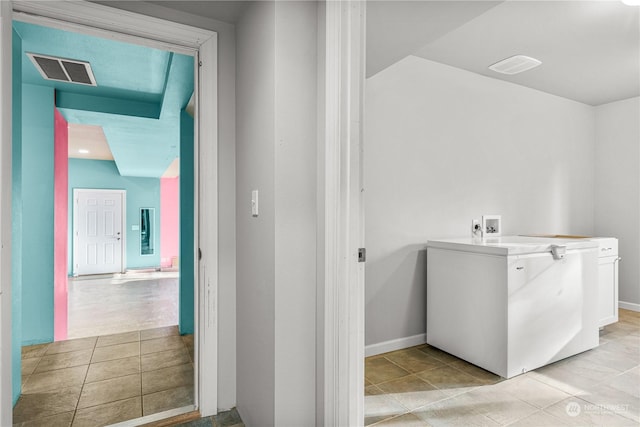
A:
{"x": 607, "y": 281}
{"x": 508, "y": 304}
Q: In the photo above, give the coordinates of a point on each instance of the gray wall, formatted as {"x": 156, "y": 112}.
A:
{"x": 617, "y": 189}
{"x": 226, "y": 188}
{"x": 276, "y": 155}
{"x": 443, "y": 146}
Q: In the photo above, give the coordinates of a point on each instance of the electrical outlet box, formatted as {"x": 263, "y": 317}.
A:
{"x": 476, "y": 228}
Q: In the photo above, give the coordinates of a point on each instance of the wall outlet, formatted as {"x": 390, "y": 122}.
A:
{"x": 476, "y": 228}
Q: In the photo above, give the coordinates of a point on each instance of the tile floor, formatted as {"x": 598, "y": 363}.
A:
{"x": 423, "y": 386}
{"x": 102, "y": 380}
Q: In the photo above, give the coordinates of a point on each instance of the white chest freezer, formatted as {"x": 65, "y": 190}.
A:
{"x": 512, "y": 304}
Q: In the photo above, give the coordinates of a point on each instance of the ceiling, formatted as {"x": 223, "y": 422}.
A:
{"x": 136, "y": 104}
{"x": 590, "y": 50}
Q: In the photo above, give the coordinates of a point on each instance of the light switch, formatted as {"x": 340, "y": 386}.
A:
{"x": 135, "y": 227}
{"x": 254, "y": 203}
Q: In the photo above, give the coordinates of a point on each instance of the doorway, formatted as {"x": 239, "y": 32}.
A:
{"x": 98, "y": 231}
{"x": 197, "y": 43}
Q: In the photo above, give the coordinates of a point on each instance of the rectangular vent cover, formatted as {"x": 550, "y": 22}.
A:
{"x": 515, "y": 64}
{"x": 63, "y": 70}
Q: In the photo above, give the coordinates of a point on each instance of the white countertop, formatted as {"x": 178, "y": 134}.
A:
{"x": 510, "y": 245}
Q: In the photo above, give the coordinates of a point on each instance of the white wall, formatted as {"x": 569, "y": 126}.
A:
{"x": 617, "y": 190}
{"x": 443, "y": 146}
{"x": 276, "y": 155}
{"x": 227, "y": 187}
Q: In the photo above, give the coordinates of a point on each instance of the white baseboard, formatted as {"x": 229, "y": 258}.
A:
{"x": 397, "y": 344}
{"x": 629, "y": 306}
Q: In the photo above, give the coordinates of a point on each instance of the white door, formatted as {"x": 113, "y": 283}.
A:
{"x": 98, "y": 231}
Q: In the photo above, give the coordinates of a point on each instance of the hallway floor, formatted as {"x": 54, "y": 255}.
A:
{"x": 115, "y": 303}
{"x": 423, "y": 386}
{"x": 106, "y": 379}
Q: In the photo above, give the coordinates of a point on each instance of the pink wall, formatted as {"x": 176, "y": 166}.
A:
{"x": 169, "y": 219}
{"x": 60, "y": 217}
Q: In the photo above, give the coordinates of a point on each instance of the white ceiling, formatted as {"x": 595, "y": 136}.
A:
{"x": 590, "y": 50}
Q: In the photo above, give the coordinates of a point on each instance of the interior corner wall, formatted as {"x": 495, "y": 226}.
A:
{"x": 255, "y": 244}
{"x": 60, "y": 238}
{"x": 617, "y": 190}
{"x": 276, "y": 155}
{"x": 16, "y": 219}
{"x": 141, "y": 193}
{"x": 169, "y": 220}
{"x": 37, "y": 211}
{"x": 187, "y": 215}
{"x": 445, "y": 146}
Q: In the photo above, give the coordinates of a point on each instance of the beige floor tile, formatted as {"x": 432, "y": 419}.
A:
{"x": 436, "y": 353}
{"x": 168, "y": 399}
{"x": 573, "y": 376}
{"x": 406, "y": 420}
{"x": 166, "y": 378}
{"x": 113, "y": 352}
{"x": 379, "y": 407}
{"x": 485, "y": 376}
{"x": 71, "y": 345}
{"x": 413, "y": 360}
{"x": 534, "y": 392}
{"x": 454, "y": 412}
{"x": 611, "y": 359}
{"x": 58, "y": 420}
{"x": 109, "y": 413}
{"x": 450, "y": 380}
{"x": 37, "y": 350}
{"x": 378, "y": 369}
{"x": 539, "y": 419}
{"x": 629, "y": 382}
{"x": 578, "y": 412}
{"x": 614, "y": 400}
{"x": 36, "y": 406}
{"x": 502, "y": 407}
{"x": 51, "y": 362}
{"x": 161, "y": 344}
{"x": 113, "y": 369}
{"x": 111, "y": 390}
{"x": 29, "y": 365}
{"x": 126, "y": 337}
{"x": 412, "y": 392}
{"x": 52, "y": 380}
{"x": 164, "y": 359}
{"x": 166, "y": 331}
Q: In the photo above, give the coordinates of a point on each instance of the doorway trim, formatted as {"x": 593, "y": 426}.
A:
{"x": 341, "y": 301}
{"x": 123, "y": 215}
{"x": 104, "y": 21}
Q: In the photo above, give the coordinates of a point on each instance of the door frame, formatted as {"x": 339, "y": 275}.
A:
{"x": 341, "y": 298}
{"x": 123, "y": 213}
{"x": 104, "y": 21}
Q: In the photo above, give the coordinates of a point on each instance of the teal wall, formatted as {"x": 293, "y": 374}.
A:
{"x": 186, "y": 223}
{"x": 37, "y": 213}
{"x": 16, "y": 221}
{"x": 141, "y": 193}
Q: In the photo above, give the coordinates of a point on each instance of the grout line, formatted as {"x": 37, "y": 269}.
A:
{"x": 75, "y": 411}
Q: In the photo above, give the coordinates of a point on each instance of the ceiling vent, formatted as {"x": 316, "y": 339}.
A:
{"x": 63, "y": 70}
{"x": 515, "y": 64}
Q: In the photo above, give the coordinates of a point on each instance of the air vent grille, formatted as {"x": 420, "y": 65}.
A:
{"x": 515, "y": 64}
{"x": 62, "y": 69}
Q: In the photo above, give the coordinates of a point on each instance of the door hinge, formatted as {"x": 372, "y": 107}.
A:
{"x": 362, "y": 254}
{"x": 199, "y": 254}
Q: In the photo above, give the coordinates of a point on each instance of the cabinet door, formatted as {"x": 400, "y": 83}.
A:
{"x": 607, "y": 290}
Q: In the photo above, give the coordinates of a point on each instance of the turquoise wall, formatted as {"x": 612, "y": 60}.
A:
{"x": 37, "y": 214}
{"x": 141, "y": 193}
{"x": 186, "y": 223}
{"x": 16, "y": 221}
